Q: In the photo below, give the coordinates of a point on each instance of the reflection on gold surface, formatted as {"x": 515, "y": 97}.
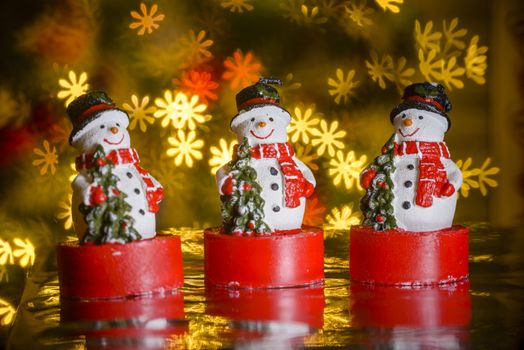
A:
{"x": 205, "y": 332}
{"x": 192, "y": 240}
{"x": 481, "y": 258}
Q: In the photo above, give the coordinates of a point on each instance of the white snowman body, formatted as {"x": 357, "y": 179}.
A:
{"x": 267, "y": 124}
{"x": 110, "y": 131}
{"x": 420, "y": 125}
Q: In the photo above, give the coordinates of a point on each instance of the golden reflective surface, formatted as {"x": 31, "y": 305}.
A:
{"x": 484, "y": 312}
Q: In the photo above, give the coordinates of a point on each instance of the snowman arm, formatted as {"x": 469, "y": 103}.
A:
{"x": 156, "y": 183}
{"x": 221, "y": 176}
{"x": 82, "y": 185}
{"x": 454, "y": 174}
{"x": 308, "y": 174}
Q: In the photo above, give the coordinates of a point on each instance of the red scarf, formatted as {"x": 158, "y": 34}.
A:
{"x": 295, "y": 183}
{"x": 432, "y": 175}
{"x": 154, "y": 194}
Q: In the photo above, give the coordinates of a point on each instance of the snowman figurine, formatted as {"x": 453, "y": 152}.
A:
{"x": 282, "y": 181}
{"x": 97, "y": 122}
{"x": 413, "y": 184}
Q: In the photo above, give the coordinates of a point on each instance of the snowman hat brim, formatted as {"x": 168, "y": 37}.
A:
{"x": 113, "y": 114}
{"x": 417, "y": 105}
{"x": 255, "y": 110}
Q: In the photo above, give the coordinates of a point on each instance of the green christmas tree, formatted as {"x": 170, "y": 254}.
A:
{"x": 377, "y": 203}
{"x": 243, "y": 209}
{"x": 107, "y": 215}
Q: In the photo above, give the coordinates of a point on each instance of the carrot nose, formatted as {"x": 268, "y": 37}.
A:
{"x": 262, "y": 124}
{"x": 114, "y": 129}
{"x": 408, "y": 122}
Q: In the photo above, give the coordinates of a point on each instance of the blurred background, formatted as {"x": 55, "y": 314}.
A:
{"x": 176, "y": 66}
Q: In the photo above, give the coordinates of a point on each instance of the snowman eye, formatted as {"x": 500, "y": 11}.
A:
{"x": 118, "y": 124}
{"x": 420, "y": 117}
{"x": 403, "y": 116}
{"x": 252, "y": 119}
{"x": 102, "y": 126}
{"x": 271, "y": 119}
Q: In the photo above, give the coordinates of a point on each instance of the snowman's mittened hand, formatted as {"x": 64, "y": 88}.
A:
{"x": 154, "y": 197}
{"x": 309, "y": 188}
{"x": 447, "y": 190}
{"x": 366, "y": 177}
{"x": 227, "y": 186}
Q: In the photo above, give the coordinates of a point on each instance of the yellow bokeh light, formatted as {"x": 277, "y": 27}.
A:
{"x": 450, "y": 72}
{"x": 146, "y": 21}
{"x": 185, "y": 148}
{"x": 426, "y": 39}
{"x": 302, "y": 124}
{"x": 439, "y": 53}
{"x": 327, "y": 138}
{"x": 140, "y": 113}
{"x": 221, "y": 155}
{"x": 307, "y": 155}
{"x": 180, "y": 111}
{"x": 72, "y": 88}
{"x": 25, "y": 252}
{"x": 237, "y": 5}
{"x": 482, "y": 182}
{"x": 347, "y": 168}
{"x": 194, "y": 48}
{"x": 66, "y": 214}
{"x": 380, "y": 69}
{"x": 311, "y": 15}
{"x": 391, "y": 5}
{"x": 73, "y": 175}
{"x": 48, "y": 160}
{"x": 476, "y": 61}
{"x": 6, "y": 253}
{"x": 453, "y": 36}
{"x": 342, "y": 219}
{"x": 402, "y": 76}
{"x": 342, "y": 88}
{"x": 430, "y": 65}
{"x": 359, "y": 12}
{"x": 7, "y": 313}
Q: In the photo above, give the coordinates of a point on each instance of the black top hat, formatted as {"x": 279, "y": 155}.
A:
{"x": 88, "y": 107}
{"x": 258, "y": 94}
{"x": 430, "y": 97}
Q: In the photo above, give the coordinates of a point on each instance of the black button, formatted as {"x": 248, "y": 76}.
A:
{"x": 406, "y": 205}
{"x": 129, "y": 175}
{"x": 273, "y": 171}
{"x": 276, "y": 208}
{"x": 137, "y": 191}
{"x": 408, "y": 183}
{"x": 274, "y": 187}
{"x": 411, "y": 166}
{"x": 141, "y": 211}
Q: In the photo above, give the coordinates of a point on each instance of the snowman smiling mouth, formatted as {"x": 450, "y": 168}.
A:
{"x": 262, "y": 137}
{"x": 407, "y": 135}
{"x": 114, "y": 143}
